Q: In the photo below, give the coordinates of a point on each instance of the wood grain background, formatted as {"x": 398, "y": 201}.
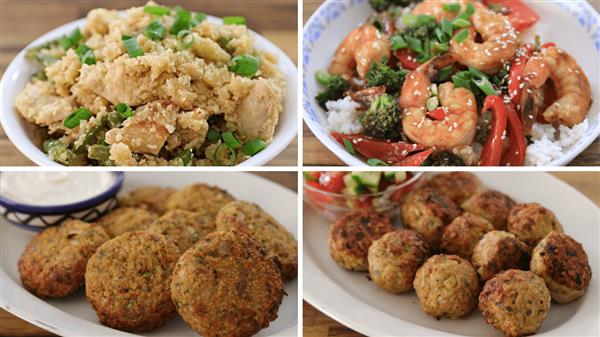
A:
{"x": 22, "y": 21}
{"x": 315, "y": 153}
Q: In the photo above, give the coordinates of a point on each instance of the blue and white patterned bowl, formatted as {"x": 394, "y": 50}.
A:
{"x": 36, "y": 218}
{"x": 578, "y": 34}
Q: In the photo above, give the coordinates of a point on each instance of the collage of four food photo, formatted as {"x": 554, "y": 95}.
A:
{"x": 317, "y": 168}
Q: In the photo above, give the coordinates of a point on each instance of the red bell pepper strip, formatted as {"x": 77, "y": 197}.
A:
{"x": 416, "y": 159}
{"x": 516, "y": 70}
{"x": 438, "y": 113}
{"x": 407, "y": 58}
{"x": 492, "y": 149}
{"x": 390, "y": 152}
{"x": 519, "y": 14}
{"x": 515, "y": 155}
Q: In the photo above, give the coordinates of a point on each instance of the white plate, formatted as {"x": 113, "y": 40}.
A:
{"x": 19, "y": 72}
{"x": 73, "y": 315}
{"x": 359, "y": 304}
{"x": 572, "y": 25}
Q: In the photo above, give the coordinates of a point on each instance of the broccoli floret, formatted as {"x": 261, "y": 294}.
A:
{"x": 382, "y": 5}
{"x": 335, "y": 87}
{"x": 422, "y": 32}
{"x": 383, "y": 119}
{"x": 380, "y": 73}
{"x": 443, "y": 158}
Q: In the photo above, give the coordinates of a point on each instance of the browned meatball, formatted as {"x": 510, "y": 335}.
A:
{"x": 427, "y": 211}
{"x": 498, "y": 251}
{"x": 458, "y": 186}
{"x": 463, "y": 233}
{"x": 491, "y": 205}
{"x": 532, "y": 222}
{"x": 351, "y": 236}
{"x": 563, "y": 264}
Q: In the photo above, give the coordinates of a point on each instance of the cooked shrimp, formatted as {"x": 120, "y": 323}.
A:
{"x": 435, "y": 8}
{"x": 499, "y": 41}
{"x": 457, "y": 129}
{"x": 359, "y": 49}
{"x": 573, "y": 92}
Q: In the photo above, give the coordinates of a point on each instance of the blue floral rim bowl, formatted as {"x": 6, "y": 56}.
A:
{"x": 36, "y": 218}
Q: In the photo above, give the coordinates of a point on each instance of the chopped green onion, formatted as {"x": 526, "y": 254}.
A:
{"x": 86, "y": 54}
{"x": 476, "y": 72}
{"x": 485, "y": 85}
{"x": 414, "y": 44}
{"x": 157, "y": 10}
{"x": 461, "y": 36}
{"x": 234, "y": 20}
{"x": 434, "y": 89}
{"x": 376, "y": 162}
{"x": 470, "y": 10}
{"x": 537, "y": 43}
{"x": 441, "y": 47}
{"x": 446, "y": 26}
{"x": 155, "y": 31}
{"x": 424, "y": 19}
{"x": 349, "y": 147}
{"x": 186, "y": 38}
{"x": 461, "y": 23}
{"x": 440, "y": 35}
{"x": 218, "y": 154}
{"x": 182, "y": 21}
{"x": 452, "y": 7}
{"x": 245, "y": 65}
{"x": 462, "y": 80}
{"x": 198, "y": 18}
{"x": 186, "y": 156}
{"x": 444, "y": 73}
{"x": 432, "y": 103}
{"x": 99, "y": 152}
{"x": 409, "y": 20}
{"x": 254, "y": 146}
{"x": 131, "y": 45}
{"x": 71, "y": 40}
{"x": 323, "y": 77}
{"x": 213, "y": 135}
{"x": 81, "y": 114}
{"x": 398, "y": 42}
{"x": 230, "y": 140}
{"x": 124, "y": 110}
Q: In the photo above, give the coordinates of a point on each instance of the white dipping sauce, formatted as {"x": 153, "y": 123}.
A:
{"x": 53, "y": 188}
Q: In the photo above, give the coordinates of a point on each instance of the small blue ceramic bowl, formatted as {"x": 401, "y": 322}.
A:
{"x": 36, "y": 218}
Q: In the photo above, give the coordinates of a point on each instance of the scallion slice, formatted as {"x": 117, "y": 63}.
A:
{"x": 323, "y": 77}
{"x": 432, "y": 103}
{"x": 186, "y": 38}
{"x": 434, "y": 89}
{"x": 452, "y": 7}
{"x": 234, "y": 20}
{"x": 213, "y": 135}
{"x": 81, "y": 114}
{"x": 461, "y": 23}
{"x": 398, "y": 42}
{"x": 446, "y": 26}
{"x": 376, "y": 162}
{"x": 157, "y": 10}
{"x": 441, "y": 36}
{"x": 186, "y": 156}
{"x": 485, "y": 85}
{"x": 182, "y": 21}
{"x": 414, "y": 44}
{"x": 445, "y": 73}
{"x": 124, "y": 110}
{"x": 409, "y": 20}
{"x": 131, "y": 45}
{"x": 198, "y": 18}
{"x": 254, "y": 146}
{"x": 245, "y": 65}
{"x": 155, "y": 31}
{"x": 230, "y": 140}
{"x": 86, "y": 54}
{"x": 71, "y": 40}
{"x": 461, "y": 36}
{"x": 470, "y": 10}
{"x": 349, "y": 147}
{"x": 424, "y": 19}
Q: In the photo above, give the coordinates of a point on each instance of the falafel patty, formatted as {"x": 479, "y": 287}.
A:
{"x": 498, "y": 251}
{"x": 447, "y": 286}
{"x": 200, "y": 198}
{"x": 279, "y": 244}
{"x": 563, "y": 264}
{"x": 458, "y": 186}
{"x": 225, "y": 286}
{"x": 126, "y": 219}
{"x": 153, "y": 198}
{"x": 515, "y": 302}
{"x": 491, "y": 205}
{"x": 394, "y": 259}
{"x": 127, "y": 281}
{"x": 427, "y": 211}
{"x": 183, "y": 228}
{"x": 463, "y": 233}
{"x": 351, "y": 236}
{"x": 531, "y": 222}
{"x": 53, "y": 263}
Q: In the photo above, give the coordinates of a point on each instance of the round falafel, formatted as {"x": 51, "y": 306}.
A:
{"x": 463, "y": 233}
{"x": 126, "y": 219}
{"x": 53, "y": 263}
{"x": 498, "y": 251}
{"x": 200, "y": 198}
{"x": 183, "y": 228}
{"x": 531, "y": 222}
{"x": 458, "y": 186}
{"x": 351, "y": 236}
{"x": 226, "y": 286}
{"x": 491, "y": 205}
{"x": 394, "y": 259}
{"x": 152, "y": 198}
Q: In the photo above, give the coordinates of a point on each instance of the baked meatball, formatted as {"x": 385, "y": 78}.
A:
{"x": 498, "y": 251}
{"x": 126, "y": 219}
{"x": 183, "y": 228}
{"x": 563, "y": 264}
{"x": 127, "y": 281}
{"x": 447, "y": 286}
{"x": 279, "y": 244}
{"x": 458, "y": 186}
{"x": 53, "y": 263}
{"x": 200, "y": 198}
{"x": 225, "y": 286}
{"x": 394, "y": 259}
{"x": 427, "y": 211}
{"x": 532, "y": 222}
{"x": 463, "y": 233}
{"x": 515, "y": 302}
{"x": 491, "y": 205}
{"x": 153, "y": 198}
{"x": 351, "y": 236}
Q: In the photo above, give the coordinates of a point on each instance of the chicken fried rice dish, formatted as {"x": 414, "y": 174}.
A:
{"x": 152, "y": 86}
{"x": 453, "y": 83}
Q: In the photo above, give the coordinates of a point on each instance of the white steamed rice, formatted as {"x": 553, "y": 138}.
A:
{"x": 547, "y": 146}
{"x": 342, "y": 116}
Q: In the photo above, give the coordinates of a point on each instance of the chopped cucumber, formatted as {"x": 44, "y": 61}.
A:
{"x": 368, "y": 179}
{"x": 350, "y": 190}
{"x": 389, "y": 176}
{"x": 400, "y": 176}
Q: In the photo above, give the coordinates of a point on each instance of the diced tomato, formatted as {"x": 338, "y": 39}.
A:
{"x": 312, "y": 175}
{"x": 319, "y": 199}
{"x": 363, "y": 202}
{"x": 407, "y": 58}
{"x": 332, "y": 181}
{"x": 416, "y": 159}
{"x": 520, "y": 15}
{"x": 387, "y": 151}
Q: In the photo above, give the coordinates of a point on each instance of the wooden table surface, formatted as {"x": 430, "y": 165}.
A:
{"x": 11, "y": 325}
{"x": 315, "y": 153}
{"x": 22, "y": 21}
{"x": 317, "y": 324}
